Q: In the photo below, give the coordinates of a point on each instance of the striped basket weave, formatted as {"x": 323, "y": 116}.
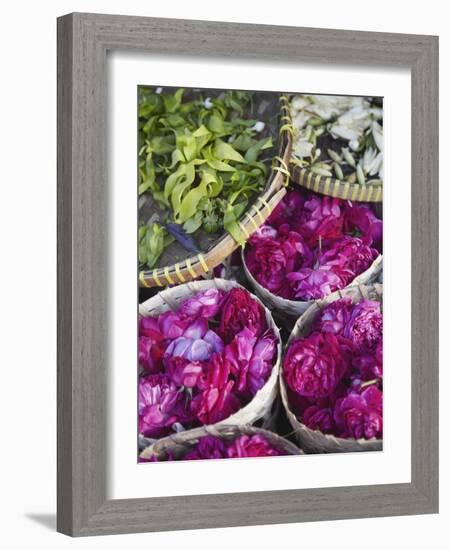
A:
{"x": 314, "y": 441}
{"x": 327, "y": 185}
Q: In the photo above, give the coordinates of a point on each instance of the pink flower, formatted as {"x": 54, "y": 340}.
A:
{"x": 313, "y": 284}
{"x": 195, "y": 349}
{"x": 251, "y": 446}
{"x": 334, "y": 317}
{"x": 216, "y": 400}
{"x": 265, "y": 231}
{"x": 287, "y": 209}
{"x": 348, "y": 256}
{"x": 158, "y": 402}
{"x": 320, "y": 219}
{"x": 207, "y": 447}
{"x": 171, "y": 324}
{"x": 268, "y": 262}
{"x": 205, "y": 304}
{"x": 362, "y": 218}
{"x": 239, "y": 310}
{"x": 151, "y": 344}
{"x": 314, "y": 366}
{"x": 182, "y": 371}
{"x": 370, "y": 366}
{"x": 365, "y": 326}
{"x": 360, "y": 415}
{"x": 251, "y": 360}
{"x": 318, "y": 418}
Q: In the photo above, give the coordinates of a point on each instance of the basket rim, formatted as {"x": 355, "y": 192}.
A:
{"x": 194, "y": 434}
{"x": 334, "y": 187}
{"x": 319, "y": 304}
{"x": 204, "y": 262}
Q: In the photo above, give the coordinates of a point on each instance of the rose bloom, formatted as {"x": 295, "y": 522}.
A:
{"x": 205, "y": 304}
{"x": 159, "y": 399}
{"x": 319, "y": 418}
{"x": 360, "y": 415}
{"x": 361, "y": 217}
{"x": 313, "y": 284}
{"x": 251, "y": 360}
{"x": 320, "y": 219}
{"x": 365, "y": 326}
{"x": 334, "y": 317}
{"x": 251, "y": 446}
{"x": 370, "y": 366}
{"x": 207, "y": 447}
{"x": 215, "y": 401}
{"x": 239, "y": 310}
{"x": 269, "y": 262}
{"x": 197, "y": 344}
{"x": 348, "y": 257}
{"x": 314, "y": 366}
{"x": 287, "y": 209}
{"x": 183, "y": 371}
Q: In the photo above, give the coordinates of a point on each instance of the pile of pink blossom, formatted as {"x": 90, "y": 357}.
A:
{"x": 334, "y": 376}
{"x": 310, "y": 247}
{"x": 211, "y": 447}
{"x": 203, "y": 362}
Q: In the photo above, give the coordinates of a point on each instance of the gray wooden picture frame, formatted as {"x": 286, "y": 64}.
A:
{"x": 83, "y": 41}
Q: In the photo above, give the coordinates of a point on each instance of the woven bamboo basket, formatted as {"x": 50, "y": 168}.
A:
{"x": 295, "y": 308}
{"x": 180, "y": 443}
{"x": 314, "y": 441}
{"x": 176, "y": 268}
{"x": 261, "y": 406}
{"x": 327, "y": 185}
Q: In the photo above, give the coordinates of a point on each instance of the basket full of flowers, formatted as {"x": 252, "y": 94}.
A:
{"x": 209, "y": 354}
{"x": 332, "y": 375}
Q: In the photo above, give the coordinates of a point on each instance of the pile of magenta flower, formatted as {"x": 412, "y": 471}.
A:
{"x": 334, "y": 375}
{"x": 210, "y": 446}
{"x": 204, "y": 362}
{"x": 312, "y": 246}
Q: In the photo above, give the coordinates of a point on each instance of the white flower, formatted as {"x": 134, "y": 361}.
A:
{"x": 158, "y": 90}
{"x": 300, "y": 120}
{"x": 371, "y": 161}
{"x": 377, "y": 132}
{"x": 303, "y": 148}
{"x": 354, "y": 144}
{"x": 208, "y": 103}
{"x": 258, "y": 126}
{"x": 299, "y": 102}
{"x": 344, "y": 132}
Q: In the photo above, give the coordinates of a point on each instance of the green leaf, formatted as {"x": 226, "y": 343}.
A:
{"x": 253, "y": 152}
{"x": 225, "y": 151}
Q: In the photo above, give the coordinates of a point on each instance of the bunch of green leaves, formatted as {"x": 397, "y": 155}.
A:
{"x": 153, "y": 239}
{"x": 200, "y": 159}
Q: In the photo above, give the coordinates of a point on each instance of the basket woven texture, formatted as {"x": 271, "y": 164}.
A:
{"x": 261, "y": 406}
{"x": 180, "y": 443}
{"x": 314, "y": 441}
{"x": 327, "y": 185}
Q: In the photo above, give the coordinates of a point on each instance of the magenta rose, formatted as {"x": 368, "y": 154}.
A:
{"x": 268, "y": 262}
{"x": 361, "y": 217}
{"x": 251, "y": 360}
{"x": 314, "y": 366}
{"x": 182, "y": 371}
{"x": 159, "y": 400}
{"x": 319, "y": 418}
{"x": 251, "y": 446}
{"x": 348, "y": 257}
{"x": 365, "y": 326}
{"x": 334, "y": 317}
{"x": 320, "y": 219}
{"x": 216, "y": 400}
{"x": 205, "y": 304}
{"x": 370, "y": 365}
{"x": 207, "y": 447}
{"x": 313, "y": 284}
{"x": 287, "y": 209}
{"x": 151, "y": 344}
{"x": 360, "y": 415}
{"x": 240, "y": 310}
